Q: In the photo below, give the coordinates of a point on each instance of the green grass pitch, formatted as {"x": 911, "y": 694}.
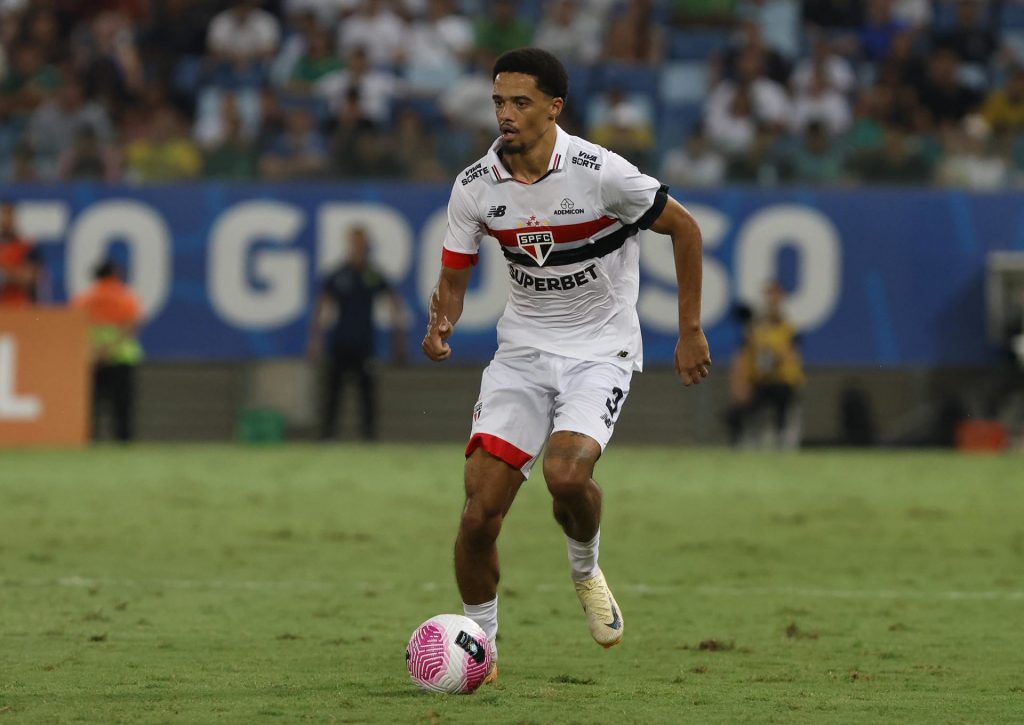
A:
{"x": 280, "y": 584}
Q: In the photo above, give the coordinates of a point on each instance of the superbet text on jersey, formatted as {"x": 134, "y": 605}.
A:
{"x": 570, "y": 240}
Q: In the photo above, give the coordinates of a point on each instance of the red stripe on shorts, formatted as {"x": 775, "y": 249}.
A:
{"x": 502, "y": 450}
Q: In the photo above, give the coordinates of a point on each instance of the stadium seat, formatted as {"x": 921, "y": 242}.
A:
{"x": 943, "y": 14}
{"x": 630, "y": 78}
{"x": 317, "y": 106}
{"x": 581, "y": 81}
{"x": 683, "y": 82}
{"x": 455, "y": 147}
{"x": 675, "y": 121}
{"x": 187, "y": 74}
{"x": 531, "y": 10}
{"x": 696, "y": 43}
{"x": 424, "y": 107}
{"x": 1013, "y": 16}
{"x": 10, "y": 133}
{"x": 9, "y": 136}
{"x": 1010, "y": 16}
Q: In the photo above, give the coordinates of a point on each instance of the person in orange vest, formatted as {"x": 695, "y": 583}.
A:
{"x": 771, "y": 357}
{"x": 114, "y": 314}
{"x": 19, "y": 263}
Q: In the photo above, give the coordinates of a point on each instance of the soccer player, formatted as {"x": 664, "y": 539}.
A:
{"x": 566, "y": 214}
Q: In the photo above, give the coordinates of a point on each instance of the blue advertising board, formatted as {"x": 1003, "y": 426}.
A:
{"x": 228, "y": 272}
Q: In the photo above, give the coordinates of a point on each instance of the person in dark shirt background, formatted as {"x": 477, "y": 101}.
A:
{"x": 942, "y": 94}
{"x": 344, "y": 341}
{"x": 974, "y": 35}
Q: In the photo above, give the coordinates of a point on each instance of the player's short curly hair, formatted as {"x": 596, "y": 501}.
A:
{"x": 542, "y": 65}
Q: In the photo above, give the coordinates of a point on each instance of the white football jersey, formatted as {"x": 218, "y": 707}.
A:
{"x": 570, "y": 240}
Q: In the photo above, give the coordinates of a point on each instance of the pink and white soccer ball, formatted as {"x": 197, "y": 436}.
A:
{"x": 448, "y": 653}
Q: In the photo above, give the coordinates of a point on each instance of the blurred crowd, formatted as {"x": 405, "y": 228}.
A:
{"x": 699, "y": 92}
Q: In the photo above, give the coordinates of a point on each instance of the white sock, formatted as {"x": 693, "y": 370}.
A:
{"x": 486, "y": 615}
{"x": 583, "y": 557}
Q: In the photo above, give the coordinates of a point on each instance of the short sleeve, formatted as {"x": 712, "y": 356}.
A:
{"x": 270, "y": 32}
{"x": 219, "y": 33}
{"x": 461, "y": 246}
{"x": 629, "y": 195}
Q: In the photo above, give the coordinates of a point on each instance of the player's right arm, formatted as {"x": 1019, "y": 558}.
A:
{"x": 458, "y": 256}
{"x": 445, "y": 310}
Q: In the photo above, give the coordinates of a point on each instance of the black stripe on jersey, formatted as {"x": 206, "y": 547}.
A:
{"x": 605, "y": 245}
{"x": 652, "y": 214}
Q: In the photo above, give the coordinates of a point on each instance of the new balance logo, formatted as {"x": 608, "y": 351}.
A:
{"x": 496, "y": 211}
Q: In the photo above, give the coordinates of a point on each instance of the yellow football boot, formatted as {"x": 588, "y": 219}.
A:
{"x": 603, "y": 613}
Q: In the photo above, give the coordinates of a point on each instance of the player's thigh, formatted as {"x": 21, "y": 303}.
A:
{"x": 590, "y": 398}
{"x": 512, "y": 416}
{"x": 491, "y": 484}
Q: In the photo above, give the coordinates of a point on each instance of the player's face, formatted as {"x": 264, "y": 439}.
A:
{"x": 524, "y": 113}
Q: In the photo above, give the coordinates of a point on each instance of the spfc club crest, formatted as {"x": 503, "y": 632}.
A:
{"x": 537, "y": 244}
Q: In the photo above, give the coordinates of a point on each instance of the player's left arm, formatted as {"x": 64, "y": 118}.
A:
{"x": 692, "y": 356}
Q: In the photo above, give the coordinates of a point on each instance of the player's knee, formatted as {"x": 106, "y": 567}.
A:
{"x": 566, "y": 477}
{"x": 480, "y": 523}
{"x": 491, "y": 485}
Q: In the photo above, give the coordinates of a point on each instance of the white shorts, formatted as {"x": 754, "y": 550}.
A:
{"x": 525, "y": 397}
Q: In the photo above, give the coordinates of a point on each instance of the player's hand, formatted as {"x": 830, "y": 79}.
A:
{"x": 693, "y": 359}
{"x": 434, "y": 345}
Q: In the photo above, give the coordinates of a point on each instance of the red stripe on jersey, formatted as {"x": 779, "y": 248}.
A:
{"x": 500, "y": 449}
{"x": 457, "y": 260}
{"x": 562, "y": 233}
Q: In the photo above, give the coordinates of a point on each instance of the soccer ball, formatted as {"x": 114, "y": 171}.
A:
{"x": 448, "y": 653}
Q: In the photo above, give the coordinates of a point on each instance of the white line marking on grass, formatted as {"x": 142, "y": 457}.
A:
{"x": 80, "y": 582}
{"x": 676, "y": 589}
{"x": 864, "y": 593}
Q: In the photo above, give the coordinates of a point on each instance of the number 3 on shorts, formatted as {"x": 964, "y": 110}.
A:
{"x": 612, "y": 403}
